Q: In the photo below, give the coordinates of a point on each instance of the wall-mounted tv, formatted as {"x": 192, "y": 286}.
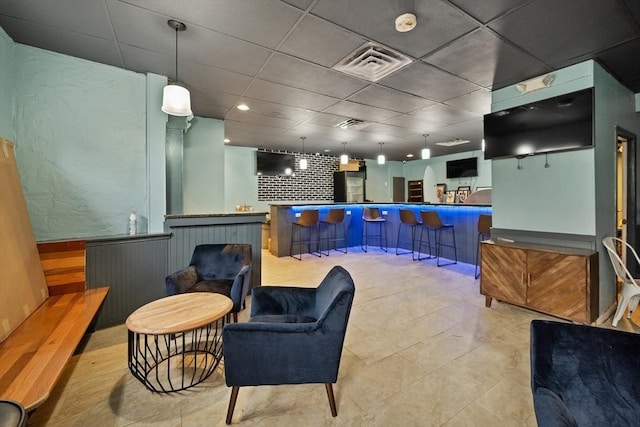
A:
{"x": 462, "y": 168}
{"x": 555, "y": 124}
{"x": 273, "y": 164}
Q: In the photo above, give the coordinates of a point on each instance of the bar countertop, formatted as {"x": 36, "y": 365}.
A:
{"x": 291, "y": 205}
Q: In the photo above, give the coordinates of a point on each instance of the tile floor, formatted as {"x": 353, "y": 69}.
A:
{"x": 421, "y": 350}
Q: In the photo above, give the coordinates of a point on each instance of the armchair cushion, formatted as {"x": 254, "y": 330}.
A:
{"x": 551, "y": 410}
{"x": 283, "y": 318}
{"x": 217, "y": 286}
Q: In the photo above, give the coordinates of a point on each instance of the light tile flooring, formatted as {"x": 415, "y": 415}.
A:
{"x": 421, "y": 350}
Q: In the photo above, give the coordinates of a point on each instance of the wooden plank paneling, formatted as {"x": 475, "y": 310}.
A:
{"x": 63, "y": 264}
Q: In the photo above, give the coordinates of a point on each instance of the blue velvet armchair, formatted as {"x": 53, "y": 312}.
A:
{"x": 295, "y": 336}
{"x": 584, "y": 375}
{"x": 220, "y": 268}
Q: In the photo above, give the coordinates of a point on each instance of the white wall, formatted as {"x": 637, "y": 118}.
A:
{"x": 240, "y": 180}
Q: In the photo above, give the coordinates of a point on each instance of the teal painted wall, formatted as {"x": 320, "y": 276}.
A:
{"x": 204, "y": 167}
{"x": 80, "y": 133}
{"x": 558, "y": 199}
{"x": 240, "y": 180}
{"x": 379, "y": 183}
{"x": 156, "y": 153}
{"x": 7, "y": 77}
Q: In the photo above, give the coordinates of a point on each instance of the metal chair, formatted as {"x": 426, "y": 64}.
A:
{"x": 308, "y": 221}
{"x": 408, "y": 218}
{"x": 630, "y": 293}
{"x": 431, "y": 221}
{"x": 12, "y": 414}
{"x": 372, "y": 216}
{"x": 484, "y": 231}
{"x": 335, "y": 217}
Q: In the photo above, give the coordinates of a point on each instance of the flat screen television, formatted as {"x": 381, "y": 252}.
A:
{"x": 273, "y": 164}
{"x": 462, "y": 168}
{"x": 555, "y": 124}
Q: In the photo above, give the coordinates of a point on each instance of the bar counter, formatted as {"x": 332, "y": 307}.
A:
{"x": 464, "y": 218}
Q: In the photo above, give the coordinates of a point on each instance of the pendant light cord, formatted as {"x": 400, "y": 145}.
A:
{"x": 176, "y": 54}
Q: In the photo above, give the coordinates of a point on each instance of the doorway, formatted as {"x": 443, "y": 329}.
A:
{"x": 626, "y": 197}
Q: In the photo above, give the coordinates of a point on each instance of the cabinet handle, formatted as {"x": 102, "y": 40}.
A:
{"x": 529, "y": 280}
{"x": 522, "y": 278}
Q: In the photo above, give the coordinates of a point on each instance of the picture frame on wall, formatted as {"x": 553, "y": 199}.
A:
{"x": 451, "y": 196}
{"x": 464, "y": 187}
{"x": 441, "y": 189}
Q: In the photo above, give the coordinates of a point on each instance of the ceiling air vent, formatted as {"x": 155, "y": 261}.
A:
{"x": 372, "y": 62}
{"x": 453, "y": 142}
{"x": 352, "y": 124}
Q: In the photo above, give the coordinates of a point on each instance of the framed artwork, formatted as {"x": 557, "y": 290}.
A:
{"x": 462, "y": 195}
{"x": 451, "y": 196}
{"x": 464, "y": 187}
{"x": 441, "y": 189}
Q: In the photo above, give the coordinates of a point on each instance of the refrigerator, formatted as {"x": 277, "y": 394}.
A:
{"x": 349, "y": 187}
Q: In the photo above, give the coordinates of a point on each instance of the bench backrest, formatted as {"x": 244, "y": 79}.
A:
{"x": 64, "y": 266}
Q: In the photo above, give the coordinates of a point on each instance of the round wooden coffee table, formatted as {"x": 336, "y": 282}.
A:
{"x": 176, "y": 342}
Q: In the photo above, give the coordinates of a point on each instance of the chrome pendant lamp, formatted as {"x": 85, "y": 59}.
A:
{"x": 303, "y": 162}
{"x": 176, "y": 99}
{"x": 426, "y": 153}
{"x": 381, "y": 158}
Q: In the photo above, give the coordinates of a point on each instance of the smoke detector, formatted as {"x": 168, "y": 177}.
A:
{"x": 406, "y": 22}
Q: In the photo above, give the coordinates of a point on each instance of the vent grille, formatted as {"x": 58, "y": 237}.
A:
{"x": 352, "y": 124}
{"x": 372, "y": 62}
{"x": 453, "y": 142}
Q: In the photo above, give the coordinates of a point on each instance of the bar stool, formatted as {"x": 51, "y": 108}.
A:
{"x": 431, "y": 221}
{"x": 372, "y": 216}
{"x": 408, "y": 218}
{"x": 12, "y": 414}
{"x": 335, "y": 217}
{"x": 308, "y": 221}
{"x": 484, "y": 232}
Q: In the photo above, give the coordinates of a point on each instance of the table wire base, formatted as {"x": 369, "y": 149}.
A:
{"x": 173, "y": 362}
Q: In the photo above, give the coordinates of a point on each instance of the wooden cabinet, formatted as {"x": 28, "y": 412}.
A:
{"x": 562, "y": 282}
{"x": 415, "y": 191}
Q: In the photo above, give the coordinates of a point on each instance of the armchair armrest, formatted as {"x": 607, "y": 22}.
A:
{"x": 279, "y": 300}
{"x": 240, "y": 287}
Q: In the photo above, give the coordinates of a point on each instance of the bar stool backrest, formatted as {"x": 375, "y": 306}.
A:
{"x": 407, "y": 217}
{"x": 431, "y": 219}
{"x": 370, "y": 213}
{"x": 308, "y": 218}
{"x": 335, "y": 216}
{"x": 484, "y": 224}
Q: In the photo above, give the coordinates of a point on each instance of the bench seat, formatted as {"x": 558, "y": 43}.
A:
{"x": 35, "y": 354}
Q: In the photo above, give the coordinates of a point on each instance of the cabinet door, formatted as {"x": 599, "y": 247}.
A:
{"x": 503, "y": 273}
{"x": 557, "y": 284}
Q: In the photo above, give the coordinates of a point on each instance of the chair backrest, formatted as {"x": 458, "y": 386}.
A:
{"x": 335, "y": 216}
{"x": 431, "y": 219}
{"x": 308, "y": 217}
{"x": 220, "y": 260}
{"x": 371, "y": 213}
{"x": 408, "y": 217}
{"x": 618, "y": 265}
{"x": 484, "y": 224}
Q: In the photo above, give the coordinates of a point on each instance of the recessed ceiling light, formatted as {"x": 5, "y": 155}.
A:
{"x": 227, "y": 140}
{"x": 326, "y": 150}
{"x": 409, "y": 155}
{"x": 243, "y": 107}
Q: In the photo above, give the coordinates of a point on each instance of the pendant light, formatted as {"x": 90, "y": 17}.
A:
{"x": 344, "y": 158}
{"x": 176, "y": 99}
{"x": 303, "y": 161}
{"x": 381, "y": 158}
{"x": 426, "y": 153}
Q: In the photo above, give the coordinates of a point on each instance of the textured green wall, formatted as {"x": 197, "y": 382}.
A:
{"x": 80, "y": 131}
{"x": 7, "y": 53}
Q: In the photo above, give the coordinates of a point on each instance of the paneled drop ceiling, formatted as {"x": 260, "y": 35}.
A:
{"x": 276, "y": 56}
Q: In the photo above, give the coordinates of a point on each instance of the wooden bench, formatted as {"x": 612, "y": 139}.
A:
{"x": 33, "y": 357}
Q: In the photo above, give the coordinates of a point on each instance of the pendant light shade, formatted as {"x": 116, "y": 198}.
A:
{"x": 303, "y": 162}
{"x": 426, "y": 153}
{"x": 381, "y": 158}
{"x": 176, "y": 99}
{"x": 344, "y": 157}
